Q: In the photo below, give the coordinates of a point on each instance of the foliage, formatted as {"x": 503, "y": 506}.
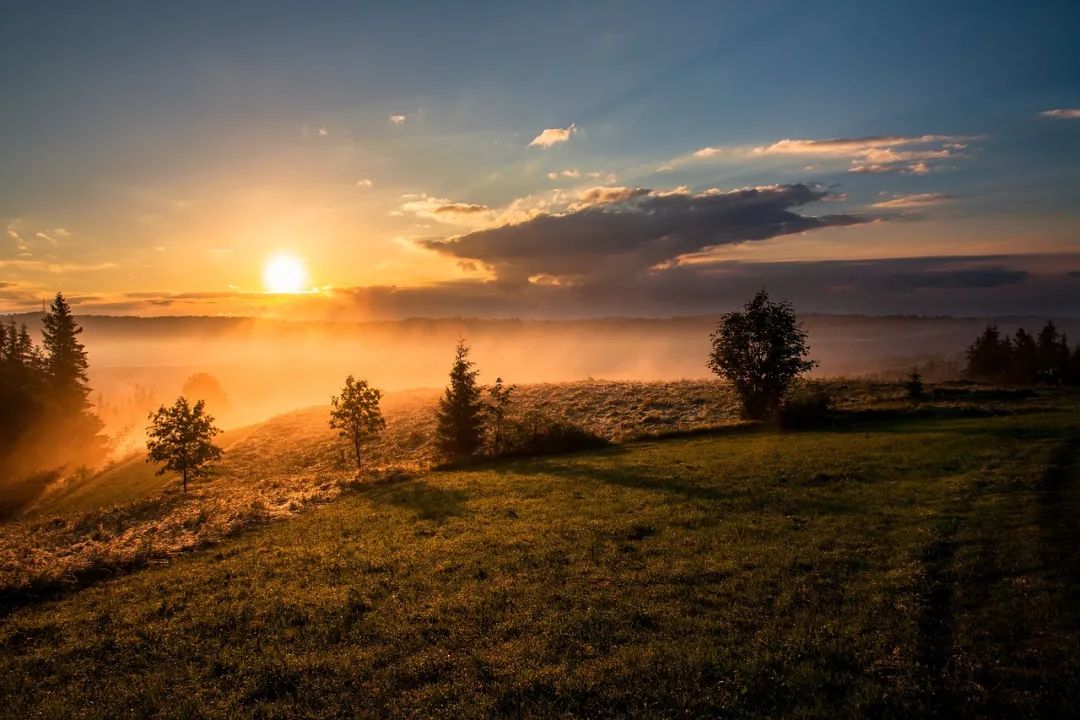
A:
{"x": 914, "y": 385}
{"x": 805, "y": 405}
{"x": 537, "y": 433}
{"x": 355, "y": 414}
{"x": 459, "y": 418}
{"x": 65, "y": 357}
{"x": 1023, "y": 359}
{"x": 498, "y": 405}
{"x": 46, "y": 422}
{"x": 204, "y": 386}
{"x": 760, "y": 351}
{"x": 181, "y": 437}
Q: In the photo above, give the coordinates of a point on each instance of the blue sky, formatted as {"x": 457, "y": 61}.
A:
{"x": 155, "y": 156}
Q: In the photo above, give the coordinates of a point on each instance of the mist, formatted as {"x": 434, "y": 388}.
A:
{"x": 267, "y": 367}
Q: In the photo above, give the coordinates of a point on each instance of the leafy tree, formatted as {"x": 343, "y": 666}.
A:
{"x": 204, "y": 386}
{"x": 355, "y": 413}
{"x": 760, "y": 351}
{"x": 498, "y": 404}
{"x": 459, "y": 421}
{"x": 181, "y": 437}
{"x": 65, "y": 356}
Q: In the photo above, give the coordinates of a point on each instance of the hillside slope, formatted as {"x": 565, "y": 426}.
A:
{"x": 891, "y": 565}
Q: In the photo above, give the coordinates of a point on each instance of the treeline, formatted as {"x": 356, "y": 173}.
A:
{"x": 46, "y": 422}
{"x": 1024, "y": 359}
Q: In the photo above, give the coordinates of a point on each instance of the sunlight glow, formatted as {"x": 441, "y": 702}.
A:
{"x": 285, "y": 274}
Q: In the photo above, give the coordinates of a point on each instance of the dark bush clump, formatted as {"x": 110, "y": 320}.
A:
{"x": 540, "y": 434}
{"x": 805, "y": 405}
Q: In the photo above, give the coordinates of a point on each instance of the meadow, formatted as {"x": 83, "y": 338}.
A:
{"x": 899, "y": 559}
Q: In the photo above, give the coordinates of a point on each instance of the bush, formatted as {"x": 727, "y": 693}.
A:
{"x": 541, "y": 434}
{"x": 804, "y": 406}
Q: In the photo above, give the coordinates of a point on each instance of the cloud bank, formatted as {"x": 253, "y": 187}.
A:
{"x": 618, "y": 230}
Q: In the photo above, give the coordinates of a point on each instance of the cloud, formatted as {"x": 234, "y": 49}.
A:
{"x": 322, "y": 132}
{"x": 915, "y": 154}
{"x": 620, "y": 230}
{"x": 364, "y": 183}
{"x": 564, "y": 173}
{"x": 919, "y": 200}
{"x": 1062, "y": 113}
{"x": 398, "y": 119}
{"x": 553, "y": 136}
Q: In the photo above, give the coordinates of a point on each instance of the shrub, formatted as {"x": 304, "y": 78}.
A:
{"x": 541, "y": 434}
{"x": 805, "y": 405}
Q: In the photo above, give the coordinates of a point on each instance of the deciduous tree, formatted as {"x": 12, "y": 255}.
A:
{"x": 760, "y": 351}
{"x": 355, "y": 413}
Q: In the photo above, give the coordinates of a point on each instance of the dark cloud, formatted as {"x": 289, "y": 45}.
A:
{"x": 614, "y": 231}
{"x": 993, "y": 277}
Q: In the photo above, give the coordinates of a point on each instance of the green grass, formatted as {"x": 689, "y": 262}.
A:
{"x": 888, "y": 566}
{"x": 129, "y": 480}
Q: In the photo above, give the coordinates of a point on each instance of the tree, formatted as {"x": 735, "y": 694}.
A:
{"x": 914, "y": 385}
{"x": 459, "y": 417}
{"x": 204, "y": 386}
{"x": 355, "y": 413}
{"x": 990, "y": 356}
{"x": 181, "y": 438}
{"x": 1025, "y": 359}
{"x": 498, "y": 404}
{"x": 760, "y": 351}
{"x": 65, "y": 356}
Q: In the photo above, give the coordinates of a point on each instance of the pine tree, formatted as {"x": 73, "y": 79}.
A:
{"x": 65, "y": 356}
{"x": 459, "y": 417}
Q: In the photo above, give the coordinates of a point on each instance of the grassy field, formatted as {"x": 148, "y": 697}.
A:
{"x": 898, "y": 562}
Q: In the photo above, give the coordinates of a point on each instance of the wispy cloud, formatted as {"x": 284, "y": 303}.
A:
{"x": 398, "y": 119}
{"x": 919, "y": 200}
{"x": 364, "y": 183}
{"x": 1062, "y": 113}
{"x": 553, "y": 136}
{"x": 914, "y": 154}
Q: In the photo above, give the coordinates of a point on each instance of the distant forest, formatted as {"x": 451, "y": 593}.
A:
{"x": 1024, "y": 359}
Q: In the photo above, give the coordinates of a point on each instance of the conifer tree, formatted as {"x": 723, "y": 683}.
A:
{"x": 65, "y": 356}
{"x": 459, "y": 419}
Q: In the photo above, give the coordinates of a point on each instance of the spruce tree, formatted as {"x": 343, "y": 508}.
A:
{"x": 65, "y": 356}
{"x": 459, "y": 419}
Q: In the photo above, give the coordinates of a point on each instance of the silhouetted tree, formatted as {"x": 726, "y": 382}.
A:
{"x": 498, "y": 404}
{"x": 1025, "y": 359}
{"x": 65, "y": 356}
{"x": 990, "y": 356}
{"x": 760, "y": 351}
{"x": 459, "y": 423}
{"x": 914, "y": 385}
{"x": 181, "y": 437}
{"x": 355, "y": 413}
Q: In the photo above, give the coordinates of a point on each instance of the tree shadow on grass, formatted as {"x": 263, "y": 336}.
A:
{"x": 429, "y": 502}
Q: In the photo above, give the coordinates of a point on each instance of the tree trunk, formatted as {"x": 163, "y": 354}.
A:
{"x": 356, "y": 449}
{"x": 185, "y": 479}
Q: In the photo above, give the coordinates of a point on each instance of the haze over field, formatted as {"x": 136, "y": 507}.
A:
{"x": 267, "y": 367}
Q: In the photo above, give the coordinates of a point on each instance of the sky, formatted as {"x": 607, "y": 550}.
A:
{"x": 540, "y": 159}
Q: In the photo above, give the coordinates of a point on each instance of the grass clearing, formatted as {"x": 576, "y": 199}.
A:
{"x": 892, "y": 564}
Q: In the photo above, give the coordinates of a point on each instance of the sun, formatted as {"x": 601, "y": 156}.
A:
{"x": 285, "y": 273}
